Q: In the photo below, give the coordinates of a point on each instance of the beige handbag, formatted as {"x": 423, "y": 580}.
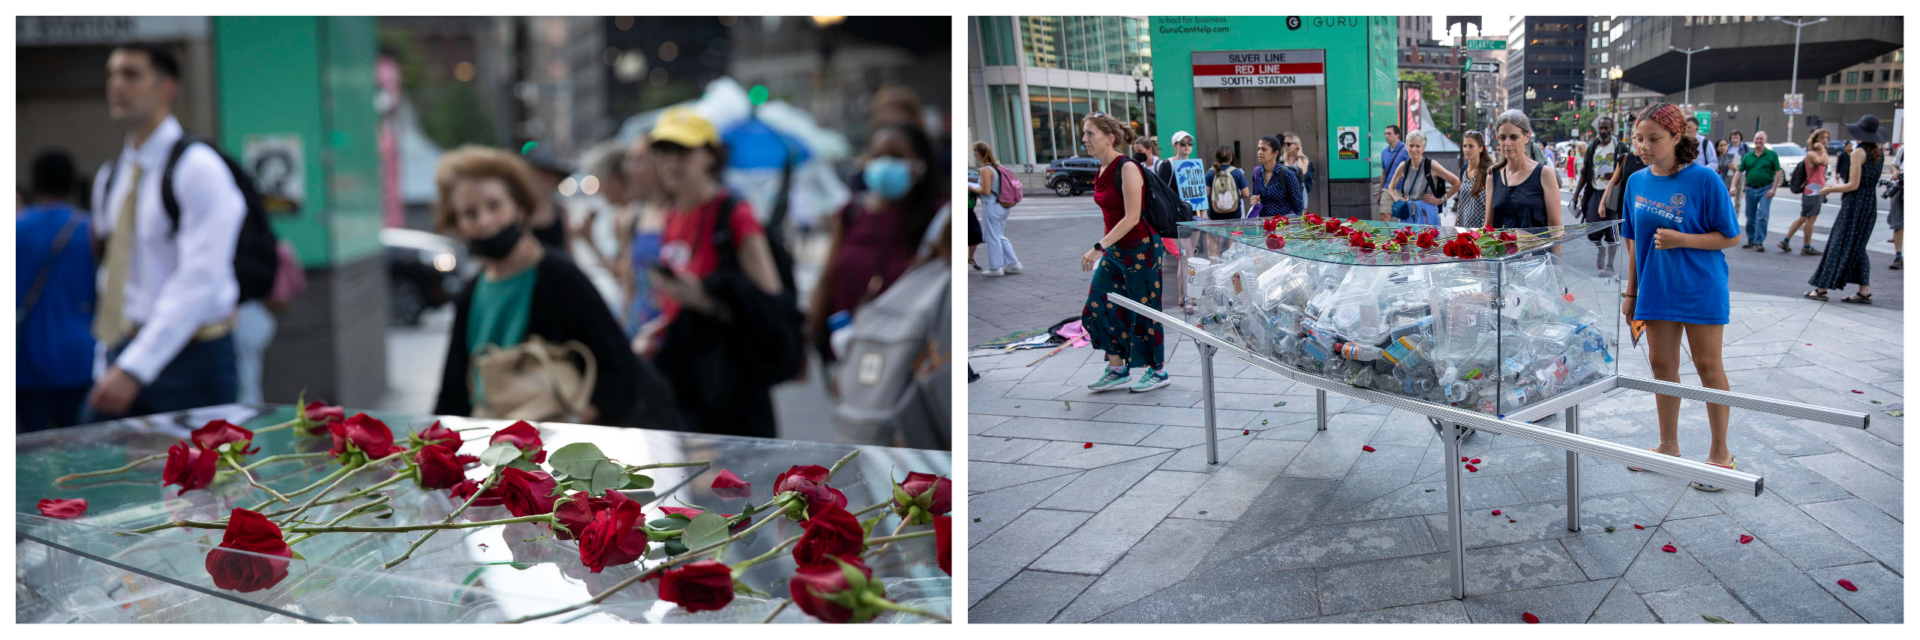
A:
{"x": 533, "y": 381}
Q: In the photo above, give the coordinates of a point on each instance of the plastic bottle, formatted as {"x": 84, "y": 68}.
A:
{"x": 1357, "y": 351}
{"x": 1459, "y": 391}
{"x": 840, "y": 331}
{"x": 1423, "y": 325}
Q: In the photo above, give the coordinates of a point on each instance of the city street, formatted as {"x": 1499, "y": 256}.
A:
{"x": 1296, "y": 524}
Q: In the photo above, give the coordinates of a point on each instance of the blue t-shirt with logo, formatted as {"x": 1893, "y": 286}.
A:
{"x": 1682, "y": 285}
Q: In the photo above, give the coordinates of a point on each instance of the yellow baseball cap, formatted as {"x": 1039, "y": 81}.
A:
{"x": 681, "y": 126}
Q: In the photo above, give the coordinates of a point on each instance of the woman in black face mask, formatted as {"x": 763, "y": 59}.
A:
{"x": 522, "y": 291}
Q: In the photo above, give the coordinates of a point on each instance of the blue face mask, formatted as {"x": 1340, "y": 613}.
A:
{"x": 889, "y": 177}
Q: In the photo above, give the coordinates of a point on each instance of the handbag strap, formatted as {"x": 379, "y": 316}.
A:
{"x": 46, "y": 270}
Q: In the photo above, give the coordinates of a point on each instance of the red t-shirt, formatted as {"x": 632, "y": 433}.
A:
{"x": 1113, "y": 206}
{"x": 686, "y": 244}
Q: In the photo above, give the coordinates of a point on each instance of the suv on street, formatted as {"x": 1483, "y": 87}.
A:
{"x": 1072, "y": 176}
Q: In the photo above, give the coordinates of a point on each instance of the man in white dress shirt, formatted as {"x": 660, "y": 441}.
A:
{"x": 167, "y": 297}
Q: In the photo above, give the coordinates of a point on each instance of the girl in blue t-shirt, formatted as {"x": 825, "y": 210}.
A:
{"x": 1677, "y": 221}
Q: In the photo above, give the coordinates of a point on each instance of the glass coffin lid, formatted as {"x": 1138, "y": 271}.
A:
{"x": 91, "y": 569}
{"x": 1492, "y": 323}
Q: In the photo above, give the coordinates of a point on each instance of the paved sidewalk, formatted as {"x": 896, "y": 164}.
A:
{"x": 1303, "y": 525}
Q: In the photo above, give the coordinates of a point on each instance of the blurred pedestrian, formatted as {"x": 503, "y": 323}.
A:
{"x": 1295, "y": 157}
{"x": 53, "y": 272}
{"x": 1846, "y": 260}
{"x": 1395, "y": 153}
{"x": 1126, "y": 261}
{"x": 1708, "y": 157}
{"x": 1421, "y": 183}
{"x": 1227, "y": 187}
{"x": 1761, "y": 168}
{"x": 609, "y": 169}
{"x": 165, "y": 310}
{"x": 548, "y": 222}
{"x": 1738, "y": 148}
{"x": 1001, "y": 259}
{"x": 1602, "y": 158}
{"x": 974, "y": 235}
{"x": 1519, "y": 199}
{"x": 1147, "y": 151}
{"x": 731, "y": 330}
{"x": 891, "y": 104}
{"x": 1815, "y": 165}
{"x": 1895, "y": 205}
{"x": 1471, "y": 198}
{"x": 1275, "y": 187}
{"x": 876, "y": 236}
{"x": 524, "y": 290}
{"x": 643, "y": 242}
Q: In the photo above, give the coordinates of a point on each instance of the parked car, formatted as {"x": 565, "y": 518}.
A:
{"x": 424, "y": 271}
{"x": 1072, "y": 176}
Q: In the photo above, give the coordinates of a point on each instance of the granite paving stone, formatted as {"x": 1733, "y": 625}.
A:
{"x": 1858, "y": 479}
{"x": 1763, "y": 579}
{"x": 1229, "y": 491}
{"x": 1567, "y": 603}
{"x": 1031, "y": 597}
{"x": 980, "y": 423}
{"x": 1329, "y": 455}
{"x": 1161, "y": 559}
{"x": 988, "y": 512}
{"x": 1335, "y": 545}
{"x": 1079, "y": 456}
{"x": 1623, "y": 606}
{"x": 978, "y": 402}
{"x": 1271, "y": 597}
{"x": 1000, "y": 449}
{"x": 1181, "y": 416}
{"x": 1687, "y": 606}
{"x": 1080, "y": 431}
{"x": 1431, "y": 497}
{"x": 1866, "y": 527}
{"x": 1446, "y": 611}
{"x": 1883, "y": 455}
{"x": 1789, "y": 531}
{"x": 1091, "y": 491}
{"x": 988, "y": 476}
{"x": 1283, "y": 507}
{"x": 1540, "y": 520}
{"x": 1604, "y": 554}
{"x": 1194, "y": 459}
{"x": 1878, "y": 599}
{"x": 1656, "y": 570}
{"x": 1413, "y": 580}
{"x": 1107, "y": 536}
{"x": 1002, "y": 556}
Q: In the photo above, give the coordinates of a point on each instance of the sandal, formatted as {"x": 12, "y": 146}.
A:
{"x": 1858, "y": 299}
{"x": 1702, "y": 486}
{"x": 1815, "y": 294}
{"x": 1654, "y": 449}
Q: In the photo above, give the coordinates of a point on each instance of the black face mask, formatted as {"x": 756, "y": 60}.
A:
{"x": 501, "y": 244}
{"x": 1140, "y": 157}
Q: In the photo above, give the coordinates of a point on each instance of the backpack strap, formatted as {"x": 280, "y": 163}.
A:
{"x": 46, "y": 269}
{"x": 723, "y": 240}
{"x": 167, "y": 199}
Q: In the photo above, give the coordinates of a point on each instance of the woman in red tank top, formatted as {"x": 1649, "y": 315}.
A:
{"x": 1125, "y": 261}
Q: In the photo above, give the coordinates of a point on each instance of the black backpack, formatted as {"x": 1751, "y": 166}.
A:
{"x": 256, "y": 258}
{"x": 1163, "y": 209}
{"x": 1797, "y": 182}
{"x": 786, "y": 363}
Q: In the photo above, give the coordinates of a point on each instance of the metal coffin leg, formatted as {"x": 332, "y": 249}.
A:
{"x": 1573, "y": 472}
{"x": 1457, "y": 555}
{"x": 1320, "y": 408}
{"x": 1206, "y": 390}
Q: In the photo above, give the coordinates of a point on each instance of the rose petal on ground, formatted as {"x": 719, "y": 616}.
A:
{"x": 1858, "y": 391}
{"x": 1530, "y": 618}
{"x": 1472, "y": 468}
{"x": 1670, "y": 549}
{"x": 1496, "y": 512}
{"x": 1463, "y": 458}
{"x": 1638, "y": 527}
{"x": 1847, "y": 584}
{"x": 1366, "y": 447}
{"x": 1087, "y": 446}
{"x": 1246, "y": 432}
{"x": 1475, "y": 461}
{"x": 1744, "y": 538}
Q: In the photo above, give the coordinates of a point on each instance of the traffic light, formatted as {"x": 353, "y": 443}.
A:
{"x": 1813, "y": 121}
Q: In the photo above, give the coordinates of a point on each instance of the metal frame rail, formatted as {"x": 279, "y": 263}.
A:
{"x": 1453, "y": 421}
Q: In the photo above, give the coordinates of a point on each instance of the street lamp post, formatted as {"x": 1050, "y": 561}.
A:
{"x": 1613, "y": 90}
{"x": 1689, "y": 89}
{"x": 1793, "y": 82}
{"x": 1142, "y": 92}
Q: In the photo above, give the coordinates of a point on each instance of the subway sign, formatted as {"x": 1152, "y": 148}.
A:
{"x": 1258, "y": 69}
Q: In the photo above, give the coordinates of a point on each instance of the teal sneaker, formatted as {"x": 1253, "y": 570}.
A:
{"x": 1152, "y": 379}
{"x": 1109, "y": 379}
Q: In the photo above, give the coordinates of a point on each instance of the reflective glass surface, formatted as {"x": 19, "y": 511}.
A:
{"x": 91, "y": 570}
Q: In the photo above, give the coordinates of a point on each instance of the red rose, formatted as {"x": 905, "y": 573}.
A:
{"x": 916, "y": 487}
{"x": 1281, "y": 221}
{"x": 1426, "y": 239}
{"x": 370, "y": 436}
{"x": 577, "y": 512}
{"x": 1276, "y": 243}
{"x": 1312, "y": 218}
{"x": 526, "y": 493}
{"x": 524, "y": 437}
{"x": 440, "y": 437}
{"x": 611, "y": 539}
{"x": 1269, "y": 224}
{"x": 220, "y": 432}
{"x": 811, "y": 588}
{"x": 1333, "y": 225}
{"x": 687, "y": 514}
{"x": 727, "y": 486}
{"x": 702, "y": 586}
{"x": 243, "y": 572}
{"x": 62, "y": 508}
{"x": 466, "y": 488}
{"x": 808, "y": 482}
{"x": 188, "y": 466}
{"x": 831, "y": 532}
{"x": 1512, "y": 241}
{"x": 438, "y": 468}
{"x": 943, "y": 542}
{"x": 322, "y": 413}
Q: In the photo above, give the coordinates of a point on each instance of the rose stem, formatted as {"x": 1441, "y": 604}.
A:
{"x": 335, "y": 475}
{"x": 746, "y": 564}
{"x": 895, "y": 606}
{"x": 491, "y": 479}
{"x": 665, "y": 465}
{"x": 343, "y": 517}
{"x": 343, "y": 478}
{"x": 841, "y": 463}
{"x": 285, "y": 456}
{"x": 108, "y": 472}
{"x": 404, "y": 475}
{"x": 904, "y": 536}
{"x": 544, "y": 517}
{"x": 642, "y": 576}
{"x": 896, "y": 532}
{"x": 254, "y": 482}
{"x": 776, "y": 612}
{"x": 276, "y": 427}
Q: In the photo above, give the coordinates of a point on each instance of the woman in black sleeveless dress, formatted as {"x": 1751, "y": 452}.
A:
{"x": 1845, "y": 261}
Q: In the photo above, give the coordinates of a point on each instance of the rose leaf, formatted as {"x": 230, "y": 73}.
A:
{"x": 708, "y": 528}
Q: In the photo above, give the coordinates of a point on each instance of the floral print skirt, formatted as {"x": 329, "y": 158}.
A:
{"x": 1131, "y": 269}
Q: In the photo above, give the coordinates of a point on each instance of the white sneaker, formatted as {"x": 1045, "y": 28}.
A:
{"x": 994, "y": 273}
{"x": 1015, "y": 268}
